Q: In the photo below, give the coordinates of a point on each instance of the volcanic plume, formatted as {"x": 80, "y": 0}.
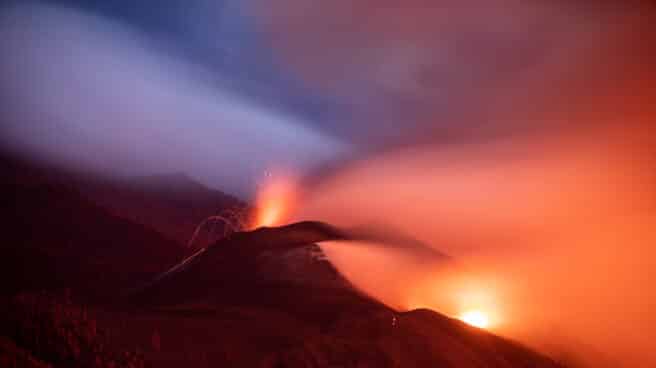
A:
{"x": 551, "y": 234}
{"x": 356, "y": 161}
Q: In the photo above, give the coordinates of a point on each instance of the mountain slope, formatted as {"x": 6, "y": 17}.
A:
{"x": 172, "y": 204}
{"x": 261, "y": 299}
{"x": 53, "y": 237}
{"x": 317, "y": 320}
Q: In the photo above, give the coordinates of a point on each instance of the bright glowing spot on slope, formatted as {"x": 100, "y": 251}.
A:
{"x": 475, "y": 318}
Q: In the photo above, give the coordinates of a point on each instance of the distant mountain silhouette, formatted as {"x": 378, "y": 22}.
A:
{"x": 173, "y": 204}
{"x": 54, "y": 237}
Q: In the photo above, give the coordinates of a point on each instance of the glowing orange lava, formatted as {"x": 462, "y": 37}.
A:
{"x": 274, "y": 200}
{"x": 475, "y": 318}
{"x": 475, "y": 298}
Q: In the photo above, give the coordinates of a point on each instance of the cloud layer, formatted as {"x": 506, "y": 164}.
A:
{"x": 95, "y": 93}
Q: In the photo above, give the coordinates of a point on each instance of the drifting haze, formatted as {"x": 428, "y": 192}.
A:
{"x": 515, "y": 136}
{"x": 417, "y": 70}
{"x": 553, "y": 234}
{"x": 94, "y": 93}
{"x": 548, "y": 205}
{"x": 543, "y": 190}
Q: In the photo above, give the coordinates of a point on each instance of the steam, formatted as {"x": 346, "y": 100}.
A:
{"x": 87, "y": 91}
{"x": 521, "y": 145}
{"x": 553, "y": 233}
{"x": 548, "y": 210}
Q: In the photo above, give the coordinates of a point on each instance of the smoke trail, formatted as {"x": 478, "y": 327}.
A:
{"x": 87, "y": 91}
{"x": 540, "y": 183}
{"x": 553, "y": 233}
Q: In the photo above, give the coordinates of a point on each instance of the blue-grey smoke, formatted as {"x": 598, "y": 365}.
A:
{"x": 92, "y": 92}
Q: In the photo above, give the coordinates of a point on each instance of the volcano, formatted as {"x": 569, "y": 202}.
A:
{"x": 281, "y": 276}
{"x": 262, "y": 298}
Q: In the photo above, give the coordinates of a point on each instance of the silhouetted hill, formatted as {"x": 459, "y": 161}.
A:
{"x": 53, "y": 237}
{"x": 266, "y": 298}
{"x": 250, "y": 281}
{"x": 173, "y": 204}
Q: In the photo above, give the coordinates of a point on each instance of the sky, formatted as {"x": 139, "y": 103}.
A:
{"x": 517, "y": 136}
{"x": 107, "y": 87}
{"x": 228, "y": 90}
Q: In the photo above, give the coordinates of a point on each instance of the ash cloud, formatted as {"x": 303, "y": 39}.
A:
{"x": 531, "y": 164}
{"x": 89, "y": 91}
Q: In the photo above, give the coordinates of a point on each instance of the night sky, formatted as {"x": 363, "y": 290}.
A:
{"x": 227, "y": 90}
{"x": 516, "y": 136}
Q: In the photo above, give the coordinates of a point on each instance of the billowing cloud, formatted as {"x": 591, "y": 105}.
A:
{"x": 551, "y": 233}
{"x": 424, "y": 70}
{"x": 95, "y": 93}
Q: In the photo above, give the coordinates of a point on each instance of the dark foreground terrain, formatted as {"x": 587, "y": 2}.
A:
{"x": 69, "y": 261}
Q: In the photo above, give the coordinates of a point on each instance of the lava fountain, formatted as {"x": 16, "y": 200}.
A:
{"x": 275, "y": 199}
